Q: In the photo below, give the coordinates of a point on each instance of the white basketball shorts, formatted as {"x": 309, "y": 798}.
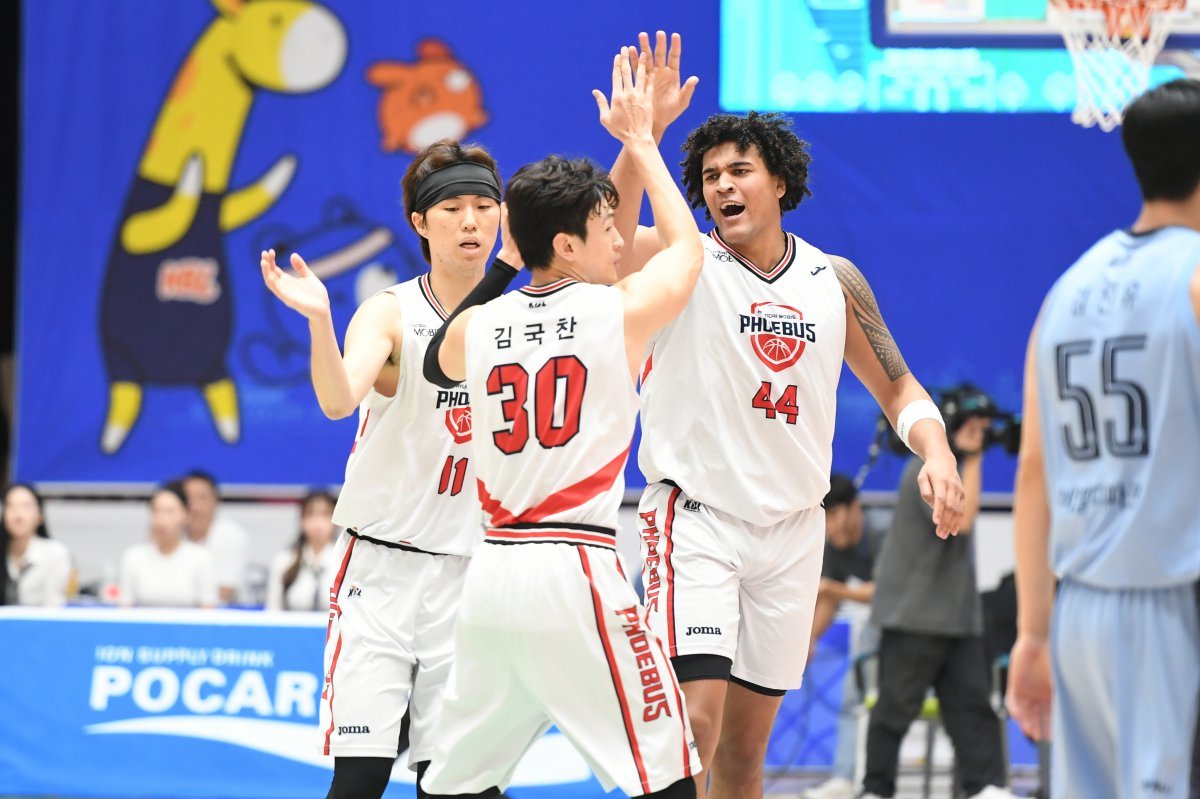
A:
{"x": 388, "y": 648}
{"x": 552, "y": 633}
{"x": 716, "y": 585}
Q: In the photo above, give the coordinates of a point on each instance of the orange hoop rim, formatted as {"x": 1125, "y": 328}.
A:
{"x": 1123, "y": 18}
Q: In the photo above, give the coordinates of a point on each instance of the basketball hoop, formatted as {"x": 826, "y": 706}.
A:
{"x": 1113, "y": 44}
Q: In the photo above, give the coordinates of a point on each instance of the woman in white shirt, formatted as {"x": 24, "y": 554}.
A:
{"x": 300, "y": 576}
{"x": 168, "y": 571}
{"x": 38, "y": 568}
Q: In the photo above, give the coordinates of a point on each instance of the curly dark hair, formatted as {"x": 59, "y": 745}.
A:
{"x": 552, "y": 196}
{"x": 440, "y": 154}
{"x": 784, "y": 153}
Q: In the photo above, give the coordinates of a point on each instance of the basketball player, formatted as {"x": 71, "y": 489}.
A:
{"x": 550, "y": 630}
{"x": 738, "y": 397}
{"x": 1105, "y": 492}
{"x": 409, "y": 502}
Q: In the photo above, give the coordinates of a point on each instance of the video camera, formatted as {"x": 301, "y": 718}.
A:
{"x": 962, "y": 402}
{"x": 957, "y": 404}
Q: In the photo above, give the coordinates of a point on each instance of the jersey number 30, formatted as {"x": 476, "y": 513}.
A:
{"x": 557, "y": 401}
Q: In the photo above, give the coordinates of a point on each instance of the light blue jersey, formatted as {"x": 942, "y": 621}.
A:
{"x": 1118, "y": 370}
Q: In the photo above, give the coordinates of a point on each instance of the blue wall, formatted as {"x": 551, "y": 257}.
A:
{"x": 960, "y": 221}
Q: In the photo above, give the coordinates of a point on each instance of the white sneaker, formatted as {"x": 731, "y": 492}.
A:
{"x": 994, "y": 792}
{"x": 834, "y": 788}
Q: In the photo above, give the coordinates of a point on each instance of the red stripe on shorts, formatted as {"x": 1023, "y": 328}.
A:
{"x": 612, "y": 669}
{"x": 334, "y": 591}
{"x": 670, "y": 571}
{"x": 687, "y": 761}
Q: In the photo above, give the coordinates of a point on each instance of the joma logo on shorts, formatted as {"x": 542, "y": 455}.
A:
{"x": 703, "y": 631}
{"x": 353, "y": 730}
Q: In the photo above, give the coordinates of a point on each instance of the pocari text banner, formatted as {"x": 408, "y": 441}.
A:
{"x": 158, "y": 704}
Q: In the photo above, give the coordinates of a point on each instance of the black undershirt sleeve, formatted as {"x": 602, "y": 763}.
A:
{"x": 493, "y": 284}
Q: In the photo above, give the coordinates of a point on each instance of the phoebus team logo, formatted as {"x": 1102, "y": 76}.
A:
{"x": 458, "y": 422}
{"x": 778, "y": 333}
{"x": 457, "y": 403}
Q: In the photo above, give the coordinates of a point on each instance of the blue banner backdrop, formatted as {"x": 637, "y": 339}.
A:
{"x": 189, "y": 704}
{"x": 197, "y": 704}
{"x": 165, "y": 144}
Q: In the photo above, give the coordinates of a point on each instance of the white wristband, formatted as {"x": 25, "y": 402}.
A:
{"x": 914, "y": 412}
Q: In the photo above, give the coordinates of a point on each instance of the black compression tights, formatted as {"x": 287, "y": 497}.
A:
{"x": 360, "y": 777}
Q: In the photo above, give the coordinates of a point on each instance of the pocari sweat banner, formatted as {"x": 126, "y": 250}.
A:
{"x": 166, "y": 704}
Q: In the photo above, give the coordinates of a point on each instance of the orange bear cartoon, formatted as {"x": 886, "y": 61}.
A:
{"x": 435, "y": 97}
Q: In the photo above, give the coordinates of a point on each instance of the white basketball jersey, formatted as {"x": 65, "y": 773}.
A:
{"x": 739, "y": 393}
{"x": 410, "y": 478}
{"x": 555, "y": 407}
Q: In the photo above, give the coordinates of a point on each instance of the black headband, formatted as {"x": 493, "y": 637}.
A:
{"x": 464, "y": 177}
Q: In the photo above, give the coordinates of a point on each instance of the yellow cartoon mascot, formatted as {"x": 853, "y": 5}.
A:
{"x": 166, "y": 311}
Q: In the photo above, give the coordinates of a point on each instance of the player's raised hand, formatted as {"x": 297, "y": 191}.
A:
{"x": 508, "y": 247}
{"x": 1030, "y": 689}
{"x": 301, "y": 291}
{"x": 942, "y": 488}
{"x": 671, "y": 98}
{"x": 630, "y": 113}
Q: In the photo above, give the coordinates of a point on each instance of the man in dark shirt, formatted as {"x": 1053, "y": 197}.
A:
{"x": 846, "y": 572}
{"x": 929, "y": 611}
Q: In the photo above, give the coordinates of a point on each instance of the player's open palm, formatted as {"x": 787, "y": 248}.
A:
{"x": 302, "y": 291}
{"x": 630, "y": 113}
{"x": 1030, "y": 690}
{"x": 671, "y": 98}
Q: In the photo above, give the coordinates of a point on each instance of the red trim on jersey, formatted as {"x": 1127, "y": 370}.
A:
{"x": 647, "y": 367}
{"x": 560, "y": 501}
{"x": 670, "y": 571}
{"x": 363, "y": 429}
{"x": 789, "y": 253}
{"x": 427, "y": 290}
{"x": 535, "y": 291}
{"x": 334, "y": 611}
{"x": 552, "y": 535}
{"x": 687, "y": 761}
{"x": 613, "y": 671}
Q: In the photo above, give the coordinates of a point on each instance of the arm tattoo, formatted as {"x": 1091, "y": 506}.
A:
{"x": 866, "y": 311}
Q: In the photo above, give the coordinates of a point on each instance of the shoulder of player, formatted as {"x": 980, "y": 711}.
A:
{"x": 854, "y": 283}
{"x": 382, "y": 313}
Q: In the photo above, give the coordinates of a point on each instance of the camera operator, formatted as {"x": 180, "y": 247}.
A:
{"x": 928, "y": 608}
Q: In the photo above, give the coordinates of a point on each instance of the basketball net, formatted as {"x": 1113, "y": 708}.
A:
{"x": 1113, "y": 44}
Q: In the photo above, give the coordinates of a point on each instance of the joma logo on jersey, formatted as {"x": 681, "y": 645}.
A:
{"x": 703, "y": 631}
{"x": 458, "y": 422}
{"x": 778, "y": 333}
{"x": 353, "y": 730}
